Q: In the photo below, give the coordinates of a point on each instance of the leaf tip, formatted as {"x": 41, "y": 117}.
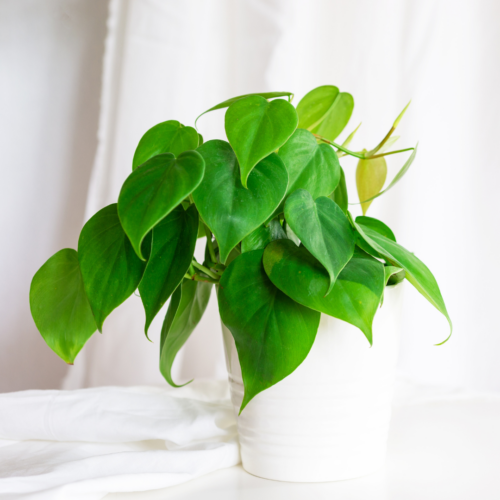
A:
{"x": 398, "y": 119}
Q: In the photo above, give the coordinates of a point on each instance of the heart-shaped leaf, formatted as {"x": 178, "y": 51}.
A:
{"x": 273, "y": 334}
{"x": 417, "y": 273}
{"x": 323, "y": 229}
{"x": 229, "y": 210}
{"x": 256, "y": 127}
{"x": 228, "y": 102}
{"x": 59, "y": 305}
{"x": 172, "y": 250}
{"x": 339, "y": 196}
{"x": 110, "y": 268}
{"x": 355, "y": 296}
{"x": 311, "y": 166}
{"x": 151, "y": 192}
{"x": 370, "y": 179}
{"x": 262, "y": 236}
{"x": 186, "y": 307}
{"x": 394, "y": 181}
{"x": 325, "y": 111}
{"x": 166, "y": 137}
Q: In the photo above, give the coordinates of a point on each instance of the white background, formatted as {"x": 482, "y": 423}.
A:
{"x": 70, "y": 123}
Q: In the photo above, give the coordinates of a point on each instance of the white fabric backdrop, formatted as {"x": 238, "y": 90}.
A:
{"x": 170, "y": 60}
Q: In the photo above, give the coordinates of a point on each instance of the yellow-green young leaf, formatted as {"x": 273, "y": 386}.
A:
{"x": 59, "y": 305}
{"x": 370, "y": 179}
{"x": 325, "y": 111}
{"x": 166, "y": 137}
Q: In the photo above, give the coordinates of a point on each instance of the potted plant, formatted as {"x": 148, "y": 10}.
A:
{"x": 299, "y": 280}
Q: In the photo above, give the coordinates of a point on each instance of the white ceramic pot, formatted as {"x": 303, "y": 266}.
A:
{"x": 329, "y": 419}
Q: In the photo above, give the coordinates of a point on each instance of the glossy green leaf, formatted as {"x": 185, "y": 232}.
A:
{"x": 273, "y": 334}
{"x": 262, "y": 236}
{"x": 370, "y": 179}
{"x": 256, "y": 127}
{"x": 228, "y": 102}
{"x": 325, "y": 111}
{"x": 376, "y": 225}
{"x": 311, "y": 166}
{"x": 229, "y": 210}
{"x": 355, "y": 296}
{"x": 151, "y": 192}
{"x": 166, "y": 137}
{"x": 339, "y": 196}
{"x": 186, "y": 307}
{"x": 417, "y": 273}
{"x": 396, "y": 179}
{"x": 59, "y": 305}
{"x": 174, "y": 240}
{"x": 323, "y": 229}
{"x": 110, "y": 268}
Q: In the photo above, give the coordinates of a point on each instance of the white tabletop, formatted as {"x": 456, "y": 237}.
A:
{"x": 440, "y": 447}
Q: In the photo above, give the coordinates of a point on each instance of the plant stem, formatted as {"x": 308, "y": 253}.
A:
{"x": 210, "y": 245}
{"x": 205, "y": 270}
{"x": 196, "y": 277}
{"x": 338, "y": 146}
{"x": 392, "y": 153}
{"x": 371, "y": 153}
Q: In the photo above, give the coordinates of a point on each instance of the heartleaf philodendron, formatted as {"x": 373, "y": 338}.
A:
{"x": 273, "y": 333}
{"x": 59, "y": 305}
{"x": 167, "y": 137}
{"x": 110, "y": 268}
{"x": 417, "y": 273}
{"x": 229, "y": 210}
{"x": 256, "y": 127}
{"x": 325, "y": 111}
{"x": 311, "y": 166}
{"x": 355, "y": 296}
{"x": 187, "y": 305}
{"x": 270, "y": 208}
{"x": 323, "y": 229}
{"x": 151, "y": 192}
{"x": 172, "y": 250}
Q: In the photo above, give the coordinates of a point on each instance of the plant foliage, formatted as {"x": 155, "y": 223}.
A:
{"x": 270, "y": 205}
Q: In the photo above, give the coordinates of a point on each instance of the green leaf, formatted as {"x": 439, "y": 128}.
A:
{"x": 325, "y": 111}
{"x": 396, "y": 179}
{"x": 339, "y": 196}
{"x": 262, "y": 236}
{"x": 59, "y": 305}
{"x": 273, "y": 334}
{"x": 256, "y": 127}
{"x": 311, "y": 166}
{"x": 186, "y": 307}
{"x": 355, "y": 296}
{"x": 417, "y": 273}
{"x": 229, "y": 210}
{"x": 370, "y": 179}
{"x": 110, "y": 268}
{"x": 151, "y": 192}
{"x": 174, "y": 240}
{"x": 226, "y": 104}
{"x": 323, "y": 229}
{"x": 166, "y": 137}
{"x": 376, "y": 225}
{"x": 393, "y": 275}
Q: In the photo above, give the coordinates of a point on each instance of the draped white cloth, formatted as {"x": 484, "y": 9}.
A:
{"x": 166, "y": 59}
